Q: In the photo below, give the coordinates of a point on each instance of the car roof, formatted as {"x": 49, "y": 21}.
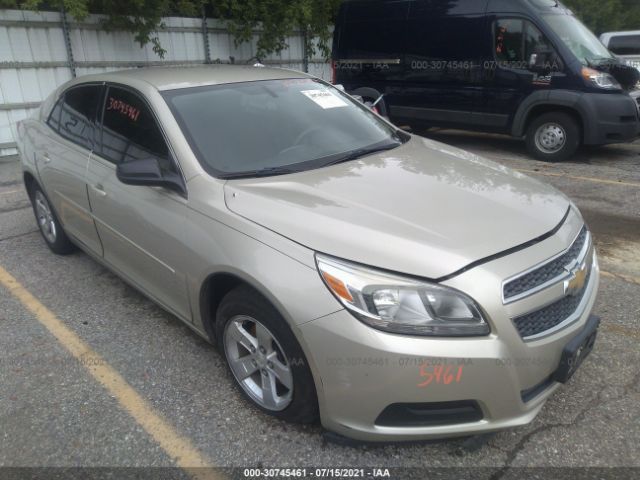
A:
{"x": 170, "y": 78}
{"x": 622, "y": 34}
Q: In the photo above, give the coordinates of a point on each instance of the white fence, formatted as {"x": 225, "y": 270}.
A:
{"x": 41, "y": 50}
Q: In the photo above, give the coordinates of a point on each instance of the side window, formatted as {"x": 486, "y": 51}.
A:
{"x": 509, "y": 41}
{"x": 130, "y": 131}
{"x": 77, "y": 115}
{"x": 374, "y": 30}
{"x": 535, "y": 41}
{"x": 516, "y": 40}
{"x": 54, "y": 116}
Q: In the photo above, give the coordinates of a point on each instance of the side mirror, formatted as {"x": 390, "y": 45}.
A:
{"x": 542, "y": 62}
{"x": 147, "y": 172}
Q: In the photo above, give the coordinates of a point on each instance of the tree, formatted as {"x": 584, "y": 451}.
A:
{"x": 607, "y": 15}
{"x": 275, "y": 20}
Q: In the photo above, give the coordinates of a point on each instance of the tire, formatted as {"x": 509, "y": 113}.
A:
{"x": 48, "y": 223}
{"x": 553, "y": 137}
{"x": 243, "y": 317}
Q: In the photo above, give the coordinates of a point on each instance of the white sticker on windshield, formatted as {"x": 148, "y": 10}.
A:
{"x": 325, "y": 98}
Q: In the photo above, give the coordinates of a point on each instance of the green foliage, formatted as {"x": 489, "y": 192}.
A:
{"x": 607, "y": 15}
{"x": 279, "y": 18}
{"x": 271, "y": 20}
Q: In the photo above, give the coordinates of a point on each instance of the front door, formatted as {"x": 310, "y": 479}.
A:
{"x": 508, "y": 79}
{"x": 142, "y": 228}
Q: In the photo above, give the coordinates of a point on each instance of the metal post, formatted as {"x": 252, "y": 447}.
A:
{"x": 67, "y": 42}
{"x": 205, "y": 37}
{"x": 305, "y": 55}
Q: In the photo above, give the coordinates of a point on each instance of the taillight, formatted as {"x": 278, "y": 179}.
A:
{"x": 333, "y": 72}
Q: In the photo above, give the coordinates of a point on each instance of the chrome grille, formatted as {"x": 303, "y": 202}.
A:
{"x": 552, "y": 315}
{"x": 555, "y": 269}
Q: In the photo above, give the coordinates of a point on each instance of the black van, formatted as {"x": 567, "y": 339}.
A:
{"x": 528, "y": 68}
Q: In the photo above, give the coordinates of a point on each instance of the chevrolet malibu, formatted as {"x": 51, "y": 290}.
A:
{"x": 393, "y": 287}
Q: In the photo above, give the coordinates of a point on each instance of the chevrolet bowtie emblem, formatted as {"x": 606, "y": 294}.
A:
{"x": 576, "y": 281}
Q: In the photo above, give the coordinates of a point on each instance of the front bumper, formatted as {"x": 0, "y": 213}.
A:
{"x": 379, "y": 370}
{"x": 362, "y": 372}
{"x": 610, "y": 118}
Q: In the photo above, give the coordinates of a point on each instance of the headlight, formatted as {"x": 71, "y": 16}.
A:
{"x": 401, "y": 305}
{"x": 600, "y": 79}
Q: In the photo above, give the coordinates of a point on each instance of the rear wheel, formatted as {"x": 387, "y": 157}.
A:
{"x": 264, "y": 357}
{"x": 553, "y": 137}
{"x": 48, "y": 223}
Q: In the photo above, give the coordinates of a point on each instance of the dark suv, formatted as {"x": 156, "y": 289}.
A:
{"x": 527, "y": 68}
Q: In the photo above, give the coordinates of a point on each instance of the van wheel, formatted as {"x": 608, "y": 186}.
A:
{"x": 264, "y": 357}
{"x": 553, "y": 137}
{"x": 49, "y": 224}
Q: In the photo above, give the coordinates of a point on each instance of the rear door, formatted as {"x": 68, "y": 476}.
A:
{"x": 141, "y": 228}
{"x": 62, "y": 160}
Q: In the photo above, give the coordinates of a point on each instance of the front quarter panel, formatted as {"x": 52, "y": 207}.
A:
{"x": 220, "y": 241}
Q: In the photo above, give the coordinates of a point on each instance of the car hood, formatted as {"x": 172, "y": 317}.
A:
{"x": 424, "y": 208}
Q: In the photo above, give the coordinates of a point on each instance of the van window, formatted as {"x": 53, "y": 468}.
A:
{"x": 625, "y": 45}
{"x": 516, "y": 40}
{"x": 509, "y": 41}
{"x": 373, "y": 30}
{"x": 130, "y": 131}
{"x": 432, "y": 38}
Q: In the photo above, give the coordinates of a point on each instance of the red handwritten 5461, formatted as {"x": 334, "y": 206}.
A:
{"x": 440, "y": 374}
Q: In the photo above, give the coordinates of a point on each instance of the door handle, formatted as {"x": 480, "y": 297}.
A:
{"x": 99, "y": 189}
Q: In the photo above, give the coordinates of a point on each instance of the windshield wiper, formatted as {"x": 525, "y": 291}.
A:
{"x": 262, "y": 172}
{"x": 363, "y": 152}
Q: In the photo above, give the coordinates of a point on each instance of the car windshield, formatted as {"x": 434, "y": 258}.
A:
{"x": 265, "y": 128}
{"x": 578, "y": 38}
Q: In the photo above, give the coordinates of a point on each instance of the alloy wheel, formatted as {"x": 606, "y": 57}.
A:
{"x": 46, "y": 221}
{"x": 258, "y": 362}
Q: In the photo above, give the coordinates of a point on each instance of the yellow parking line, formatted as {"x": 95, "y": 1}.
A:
{"x": 179, "y": 448}
{"x": 621, "y": 276}
{"x": 574, "y": 177}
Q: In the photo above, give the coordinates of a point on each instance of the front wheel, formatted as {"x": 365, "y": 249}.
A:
{"x": 553, "y": 137}
{"x": 265, "y": 358}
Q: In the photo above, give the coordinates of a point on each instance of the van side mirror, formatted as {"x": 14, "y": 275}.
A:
{"x": 147, "y": 172}
{"x": 542, "y": 61}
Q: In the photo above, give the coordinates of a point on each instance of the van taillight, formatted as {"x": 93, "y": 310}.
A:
{"x": 333, "y": 72}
